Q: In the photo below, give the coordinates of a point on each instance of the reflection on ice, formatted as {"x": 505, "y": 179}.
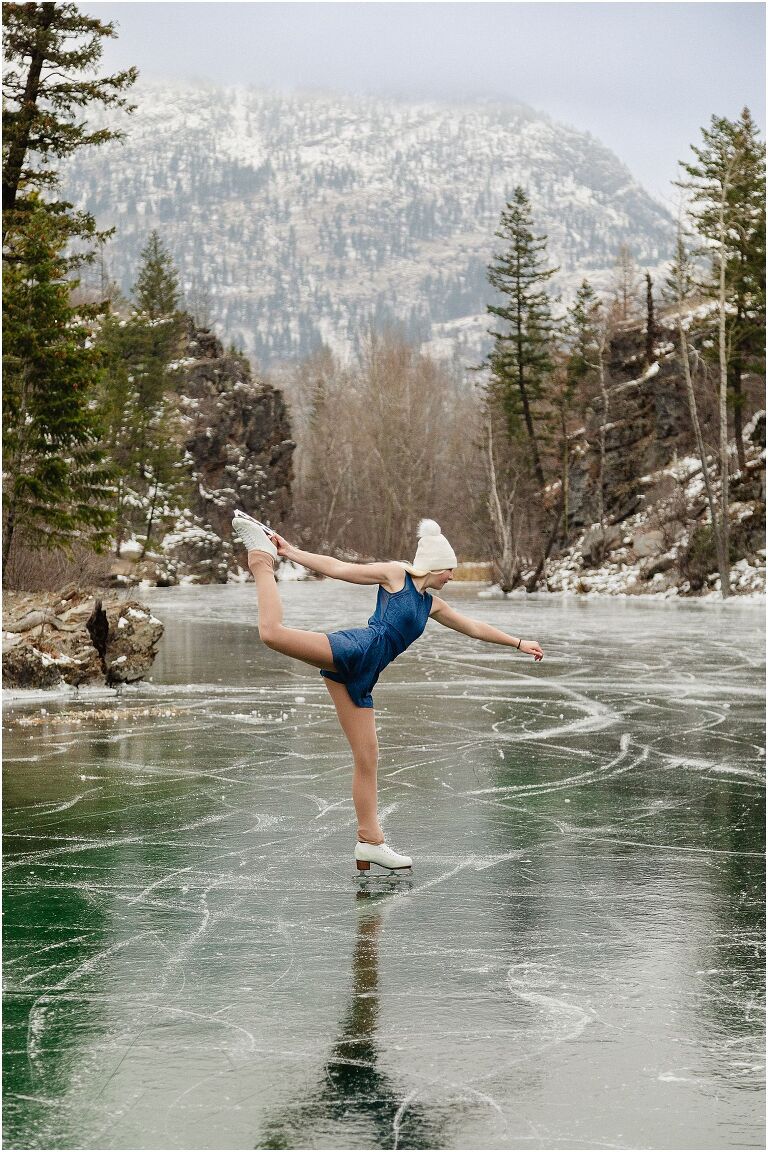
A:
{"x": 190, "y": 961}
{"x": 352, "y": 1088}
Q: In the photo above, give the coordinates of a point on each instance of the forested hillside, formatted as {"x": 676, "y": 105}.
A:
{"x": 302, "y": 218}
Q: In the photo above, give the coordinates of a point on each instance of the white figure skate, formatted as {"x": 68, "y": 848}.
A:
{"x": 246, "y": 516}
{"x": 383, "y": 855}
{"x": 253, "y": 534}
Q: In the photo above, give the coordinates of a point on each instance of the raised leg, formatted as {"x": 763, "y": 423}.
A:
{"x": 312, "y": 647}
{"x": 359, "y": 725}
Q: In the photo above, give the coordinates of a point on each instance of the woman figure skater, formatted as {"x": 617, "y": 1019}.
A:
{"x": 352, "y": 659}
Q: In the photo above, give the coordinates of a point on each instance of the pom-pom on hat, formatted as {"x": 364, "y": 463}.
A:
{"x": 433, "y": 553}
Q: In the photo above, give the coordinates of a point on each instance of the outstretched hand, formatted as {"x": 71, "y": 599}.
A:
{"x": 282, "y": 545}
{"x": 531, "y": 648}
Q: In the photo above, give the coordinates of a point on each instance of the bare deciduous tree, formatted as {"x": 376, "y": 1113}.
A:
{"x": 513, "y": 500}
{"x": 625, "y": 286}
{"x": 680, "y": 283}
{"x": 501, "y": 512}
{"x": 723, "y": 357}
{"x": 381, "y": 444}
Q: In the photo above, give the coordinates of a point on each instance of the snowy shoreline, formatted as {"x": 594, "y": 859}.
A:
{"x": 710, "y": 597}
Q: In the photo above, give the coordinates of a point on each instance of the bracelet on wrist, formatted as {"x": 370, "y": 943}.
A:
{"x": 519, "y": 642}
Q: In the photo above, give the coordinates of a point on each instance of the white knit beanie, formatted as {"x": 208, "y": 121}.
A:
{"x": 433, "y": 553}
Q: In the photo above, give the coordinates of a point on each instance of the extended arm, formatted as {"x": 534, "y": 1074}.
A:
{"x": 478, "y": 630}
{"x": 387, "y": 572}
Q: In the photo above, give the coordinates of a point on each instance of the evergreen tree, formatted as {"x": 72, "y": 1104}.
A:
{"x": 584, "y": 331}
{"x": 157, "y": 328}
{"x": 679, "y": 287}
{"x": 156, "y": 291}
{"x": 680, "y": 282}
{"x": 51, "y": 52}
{"x": 726, "y": 184}
{"x": 137, "y": 401}
{"x": 119, "y": 412}
{"x": 56, "y": 486}
{"x": 521, "y": 359}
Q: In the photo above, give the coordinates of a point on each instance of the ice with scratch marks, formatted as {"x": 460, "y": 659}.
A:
{"x": 190, "y": 962}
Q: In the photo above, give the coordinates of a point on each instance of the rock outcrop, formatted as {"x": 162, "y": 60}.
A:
{"x": 69, "y": 638}
{"x": 237, "y": 446}
{"x": 645, "y": 427}
{"x": 667, "y": 547}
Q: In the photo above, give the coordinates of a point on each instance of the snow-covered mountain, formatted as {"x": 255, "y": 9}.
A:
{"x": 300, "y": 218}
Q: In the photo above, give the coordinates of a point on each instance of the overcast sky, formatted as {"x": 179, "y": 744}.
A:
{"x": 642, "y": 77}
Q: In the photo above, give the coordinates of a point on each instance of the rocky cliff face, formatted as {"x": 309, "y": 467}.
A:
{"x": 666, "y": 548}
{"x": 646, "y": 426}
{"x": 656, "y": 535}
{"x": 237, "y": 446}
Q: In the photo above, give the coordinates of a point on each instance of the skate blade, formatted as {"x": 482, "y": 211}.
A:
{"x": 244, "y": 516}
{"x": 364, "y": 875}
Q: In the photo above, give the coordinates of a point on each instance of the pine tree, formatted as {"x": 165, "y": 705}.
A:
{"x": 51, "y": 51}
{"x": 119, "y": 411}
{"x": 521, "y": 359}
{"x": 583, "y": 332}
{"x": 157, "y": 324}
{"x": 747, "y": 271}
{"x": 680, "y": 283}
{"x": 137, "y": 402}
{"x": 56, "y": 484}
{"x": 726, "y": 185}
{"x": 679, "y": 287}
{"x": 585, "y": 336}
{"x": 156, "y": 329}
{"x": 156, "y": 291}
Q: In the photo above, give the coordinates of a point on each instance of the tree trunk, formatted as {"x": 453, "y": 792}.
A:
{"x": 737, "y": 371}
{"x": 27, "y": 112}
{"x": 150, "y": 519}
{"x": 565, "y": 477}
{"x": 526, "y": 406}
{"x": 529, "y": 424}
{"x": 119, "y": 517}
{"x": 738, "y": 415}
{"x": 697, "y": 430}
{"x": 8, "y": 527}
{"x": 506, "y": 565}
{"x": 604, "y": 394}
{"x": 723, "y": 558}
{"x": 532, "y": 436}
{"x": 650, "y": 322}
{"x": 531, "y": 585}
{"x": 10, "y": 505}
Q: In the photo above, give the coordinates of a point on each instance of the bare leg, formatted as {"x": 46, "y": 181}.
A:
{"x": 312, "y": 647}
{"x": 359, "y": 726}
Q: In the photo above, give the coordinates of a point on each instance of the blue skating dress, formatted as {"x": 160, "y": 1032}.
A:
{"x": 361, "y": 654}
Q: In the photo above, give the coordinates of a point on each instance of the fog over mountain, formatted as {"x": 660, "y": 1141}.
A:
{"x": 300, "y": 218}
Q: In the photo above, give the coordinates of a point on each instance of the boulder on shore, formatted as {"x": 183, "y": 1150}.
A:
{"x": 75, "y": 638}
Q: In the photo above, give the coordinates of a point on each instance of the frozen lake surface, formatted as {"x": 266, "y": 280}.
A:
{"x": 576, "y": 961}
